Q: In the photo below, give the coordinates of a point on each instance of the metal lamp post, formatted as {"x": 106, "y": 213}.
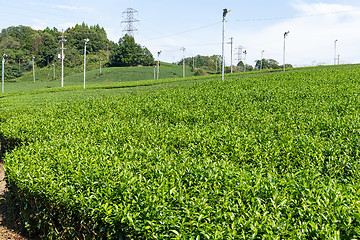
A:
{"x": 261, "y": 63}
{"x": 54, "y": 70}
{"x": 86, "y": 41}
{"x": 335, "y": 51}
{"x": 225, "y": 12}
{"x": 183, "y": 49}
{"x": 285, "y": 35}
{"x": 33, "y": 62}
{"x": 245, "y": 52}
{"x": 158, "y": 64}
{"x": 3, "y": 73}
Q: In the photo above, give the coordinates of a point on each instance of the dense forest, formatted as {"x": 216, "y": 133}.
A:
{"x": 22, "y": 43}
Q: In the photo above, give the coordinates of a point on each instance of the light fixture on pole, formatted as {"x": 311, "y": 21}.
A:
{"x": 216, "y": 63}
{"x": 3, "y": 73}
{"x": 335, "y": 57}
{"x": 225, "y": 12}
{"x": 261, "y": 63}
{"x": 154, "y": 71}
{"x": 86, "y": 41}
{"x": 33, "y": 62}
{"x": 183, "y": 49}
{"x": 285, "y": 35}
{"x": 158, "y": 64}
{"x": 54, "y": 70}
{"x": 62, "y": 57}
{"x": 245, "y": 52}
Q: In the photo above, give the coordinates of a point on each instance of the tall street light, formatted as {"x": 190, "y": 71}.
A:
{"x": 154, "y": 71}
{"x": 245, "y": 52}
{"x": 54, "y": 70}
{"x": 261, "y": 63}
{"x": 86, "y": 41}
{"x": 62, "y": 57}
{"x": 3, "y": 72}
{"x": 285, "y": 35}
{"x": 33, "y": 62}
{"x": 335, "y": 57}
{"x": 225, "y": 12}
{"x": 158, "y": 64}
{"x": 183, "y": 49}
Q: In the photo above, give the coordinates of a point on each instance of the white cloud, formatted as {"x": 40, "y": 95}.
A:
{"x": 39, "y": 24}
{"x": 66, "y": 25}
{"x": 321, "y": 8}
{"x": 75, "y": 8}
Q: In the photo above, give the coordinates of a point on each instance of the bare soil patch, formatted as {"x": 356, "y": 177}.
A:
{"x": 8, "y": 230}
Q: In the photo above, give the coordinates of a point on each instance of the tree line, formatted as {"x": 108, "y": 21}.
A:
{"x": 22, "y": 43}
{"x": 203, "y": 65}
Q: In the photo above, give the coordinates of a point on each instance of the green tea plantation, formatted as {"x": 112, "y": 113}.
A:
{"x": 257, "y": 156}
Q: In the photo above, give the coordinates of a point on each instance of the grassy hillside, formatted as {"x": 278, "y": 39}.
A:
{"x": 258, "y": 156}
{"x": 44, "y": 77}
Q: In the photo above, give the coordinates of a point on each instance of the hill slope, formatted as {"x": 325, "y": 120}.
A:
{"x": 44, "y": 77}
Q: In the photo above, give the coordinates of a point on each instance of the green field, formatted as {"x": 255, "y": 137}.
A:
{"x": 269, "y": 155}
{"x": 44, "y": 78}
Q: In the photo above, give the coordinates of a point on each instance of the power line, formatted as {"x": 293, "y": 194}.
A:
{"x": 179, "y": 33}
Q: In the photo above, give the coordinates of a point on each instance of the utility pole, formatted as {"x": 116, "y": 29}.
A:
{"x": 231, "y": 42}
{"x": 216, "y": 61}
{"x": 245, "y": 52}
{"x": 158, "y": 64}
{"x": 86, "y": 41}
{"x": 62, "y": 57}
{"x": 335, "y": 51}
{"x": 107, "y": 51}
{"x": 54, "y": 70}
{"x": 100, "y": 64}
{"x": 183, "y": 49}
{"x": 261, "y": 64}
{"x": 154, "y": 71}
{"x": 3, "y": 72}
{"x": 33, "y": 61}
{"x": 129, "y": 21}
{"x": 285, "y": 35}
{"x": 225, "y": 12}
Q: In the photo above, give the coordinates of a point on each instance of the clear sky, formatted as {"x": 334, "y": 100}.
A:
{"x": 165, "y": 25}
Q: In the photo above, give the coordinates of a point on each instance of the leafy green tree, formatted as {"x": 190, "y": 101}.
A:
{"x": 267, "y": 64}
{"x": 286, "y": 66}
{"x": 9, "y": 42}
{"x": 96, "y": 34}
{"x": 207, "y": 63}
{"x": 129, "y": 53}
